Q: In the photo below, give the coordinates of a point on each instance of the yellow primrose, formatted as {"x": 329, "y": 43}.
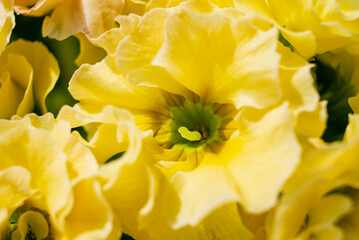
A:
{"x": 310, "y": 26}
{"x": 7, "y": 22}
{"x": 320, "y": 200}
{"x": 228, "y": 128}
{"x": 138, "y": 50}
{"x": 48, "y": 188}
{"x": 28, "y": 72}
{"x": 132, "y": 181}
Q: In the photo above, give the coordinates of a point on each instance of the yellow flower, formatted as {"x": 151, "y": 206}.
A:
{"x": 132, "y": 180}
{"x": 28, "y": 72}
{"x": 126, "y": 157}
{"x": 211, "y": 86}
{"x": 47, "y": 183}
{"x": 7, "y": 22}
{"x": 320, "y": 201}
{"x": 311, "y": 27}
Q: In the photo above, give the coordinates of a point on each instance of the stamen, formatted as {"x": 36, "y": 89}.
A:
{"x": 189, "y": 135}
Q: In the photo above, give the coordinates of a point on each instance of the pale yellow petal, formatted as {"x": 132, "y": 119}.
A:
{"x": 11, "y": 94}
{"x": 323, "y": 218}
{"x": 7, "y": 22}
{"x": 109, "y": 40}
{"x": 103, "y": 83}
{"x": 297, "y": 204}
{"x": 226, "y": 223}
{"x": 183, "y": 209}
{"x": 66, "y": 19}
{"x": 261, "y": 157}
{"x": 39, "y": 8}
{"x": 129, "y": 194}
{"x": 25, "y": 80}
{"x": 14, "y": 187}
{"x": 136, "y": 51}
{"x": 89, "y": 53}
{"x": 93, "y": 17}
{"x": 91, "y": 216}
{"x": 80, "y": 161}
{"x": 44, "y": 64}
{"x": 46, "y": 163}
{"x": 297, "y": 82}
{"x": 313, "y": 123}
{"x": 257, "y": 6}
{"x": 100, "y": 15}
{"x": 79, "y": 117}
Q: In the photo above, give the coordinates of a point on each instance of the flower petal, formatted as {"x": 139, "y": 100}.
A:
{"x": 261, "y": 158}
{"x": 217, "y": 58}
{"x": 44, "y": 64}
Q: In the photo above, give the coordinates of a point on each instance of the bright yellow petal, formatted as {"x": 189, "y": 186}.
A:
{"x": 218, "y": 59}
{"x": 185, "y": 209}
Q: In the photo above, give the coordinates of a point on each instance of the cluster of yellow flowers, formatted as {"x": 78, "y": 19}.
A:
{"x": 202, "y": 121}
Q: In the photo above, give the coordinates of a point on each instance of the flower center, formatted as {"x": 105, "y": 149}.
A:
{"x": 192, "y": 125}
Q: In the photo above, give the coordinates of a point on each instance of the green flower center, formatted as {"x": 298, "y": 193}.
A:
{"x": 194, "y": 125}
